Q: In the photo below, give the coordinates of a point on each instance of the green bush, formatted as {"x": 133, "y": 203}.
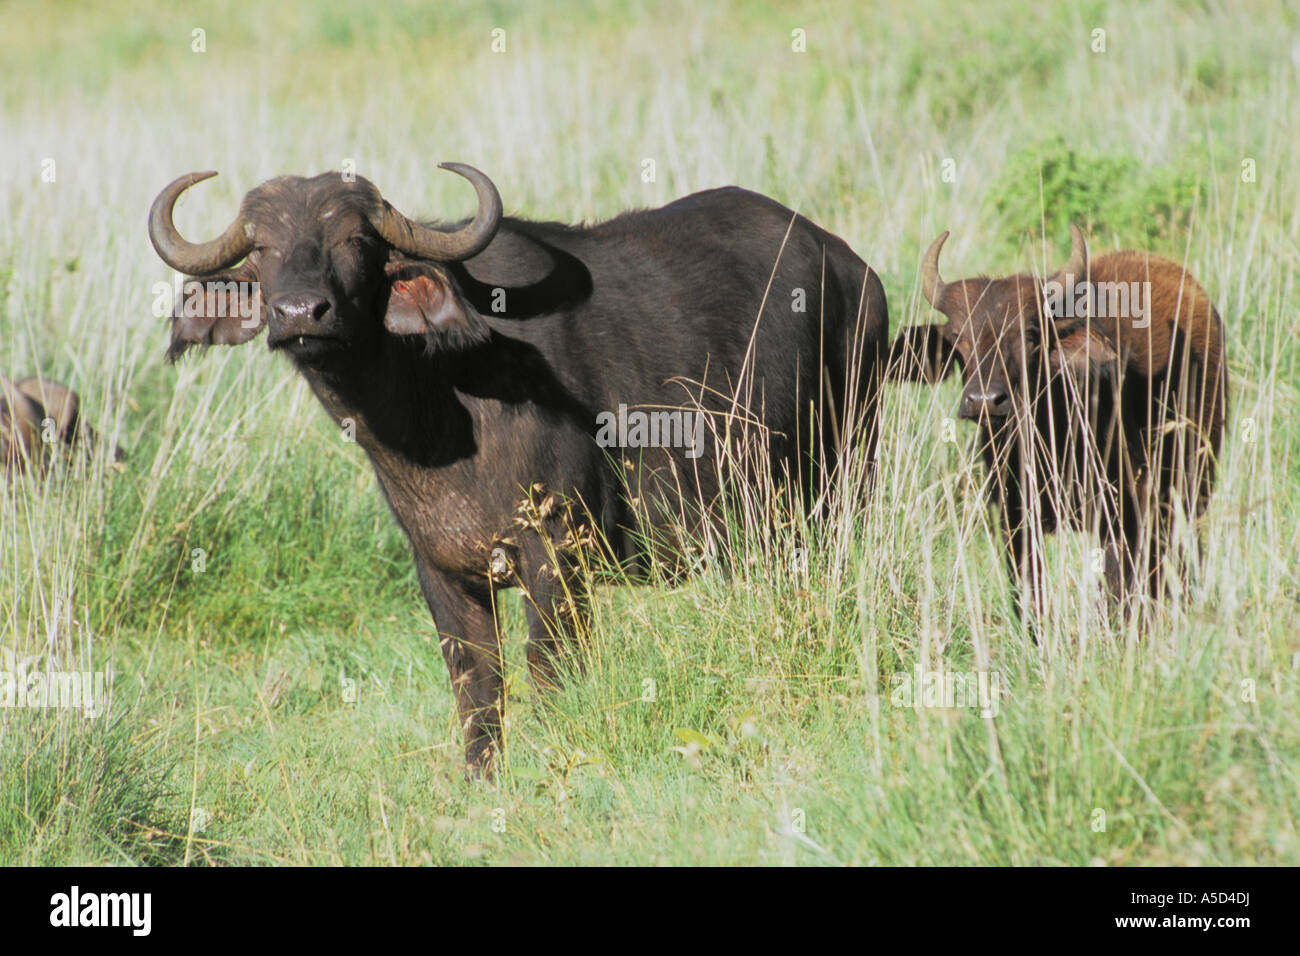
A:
{"x": 1051, "y": 184}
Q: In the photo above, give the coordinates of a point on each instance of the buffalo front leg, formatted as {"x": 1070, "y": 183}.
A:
{"x": 467, "y": 633}
{"x": 1025, "y": 567}
{"x": 1021, "y": 579}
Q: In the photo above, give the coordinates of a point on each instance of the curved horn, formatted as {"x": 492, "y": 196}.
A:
{"x": 932, "y": 285}
{"x": 426, "y": 243}
{"x": 1077, "y": 267}
{"x": 189, "y": 257}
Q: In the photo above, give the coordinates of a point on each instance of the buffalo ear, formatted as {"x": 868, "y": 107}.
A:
{"x": 921, "y": 353}
{"x": 1083, "y": 353}
{"x": 224, "y": 309}
{"x": 423, "y": 301}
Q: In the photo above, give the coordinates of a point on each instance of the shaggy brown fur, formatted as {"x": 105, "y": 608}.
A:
{"x": 1105, "y": 422}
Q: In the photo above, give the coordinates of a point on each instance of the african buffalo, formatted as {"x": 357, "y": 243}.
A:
{"x": 1100, "y": 394}
{"x": 488, "y": 371}
{"x": 37, "y": 415}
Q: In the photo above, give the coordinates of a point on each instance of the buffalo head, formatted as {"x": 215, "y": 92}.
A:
{"x": 326, "y": 265}
{"x": 1011, "y": 336}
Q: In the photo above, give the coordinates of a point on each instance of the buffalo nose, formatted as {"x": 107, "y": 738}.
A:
{"x": 993, "y": 402}
{"x": 300, "y": 307}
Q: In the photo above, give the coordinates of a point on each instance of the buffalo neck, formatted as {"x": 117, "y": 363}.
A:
{"x": 401, "y": 404}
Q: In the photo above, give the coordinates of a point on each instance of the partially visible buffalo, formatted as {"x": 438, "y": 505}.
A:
{"x": 499, "y": 363}
{"x": 36, "y": 415}
{"x": 1100, "y": 395}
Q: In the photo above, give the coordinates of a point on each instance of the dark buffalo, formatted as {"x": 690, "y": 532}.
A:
{"x": 479, "y": 367}
{"x": 1100, "y": 395}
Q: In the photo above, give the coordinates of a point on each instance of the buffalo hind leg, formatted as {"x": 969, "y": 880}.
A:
{"x": 1122, "y": 553}
{"x": 1025, "y": 570}
{"x": 467, "y": 633}
{"x": 1134, "y": 572}
{"x": 557, "y": 608}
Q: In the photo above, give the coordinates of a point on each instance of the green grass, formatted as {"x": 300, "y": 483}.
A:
{"x": 287, "y": 702}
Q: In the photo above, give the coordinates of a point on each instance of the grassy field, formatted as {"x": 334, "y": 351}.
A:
{"x": 277, "y": 694}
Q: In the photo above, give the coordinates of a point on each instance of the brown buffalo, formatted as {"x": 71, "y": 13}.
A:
{"x": 35, "y": 415}
{"x": 1100, "y": 394}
